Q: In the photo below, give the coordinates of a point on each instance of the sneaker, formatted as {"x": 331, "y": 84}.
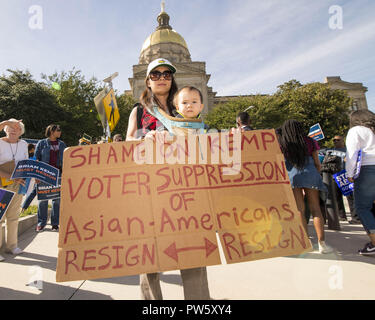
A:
{"x": 369, "y": 249}
{"x": 324, "y": 248}
{"x": 354, "y": 221}
{"x": 1, "y": 258}
{"x": 39, "y": 228}
{"x": 55, "y": 228}
{"x": 16, "y": 251}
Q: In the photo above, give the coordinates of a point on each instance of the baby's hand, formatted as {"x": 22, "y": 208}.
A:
{"x": 159, "y": 136}
{"x": 150, "y": 135}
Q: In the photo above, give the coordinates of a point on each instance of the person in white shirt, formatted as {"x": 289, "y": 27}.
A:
{"x": 361, "y": 136}
{"x": 12, "y": 148}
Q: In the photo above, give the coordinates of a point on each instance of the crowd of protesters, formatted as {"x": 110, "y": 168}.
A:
{"x": 301, "y": 159}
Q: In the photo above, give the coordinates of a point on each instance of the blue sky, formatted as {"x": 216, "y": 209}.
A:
{"x": 249, "y": 46}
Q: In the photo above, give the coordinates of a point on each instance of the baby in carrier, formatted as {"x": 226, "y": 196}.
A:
{"x": 189, "y": 105}
{"x": 188, "y": 102}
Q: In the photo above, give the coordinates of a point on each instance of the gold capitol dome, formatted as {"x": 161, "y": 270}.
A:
{"x": 164, "y": 42}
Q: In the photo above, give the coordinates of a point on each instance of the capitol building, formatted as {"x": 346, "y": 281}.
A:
{"x": 168, "y": 43}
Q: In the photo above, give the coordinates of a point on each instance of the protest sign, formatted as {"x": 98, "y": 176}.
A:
{"x": 36, "y": 169}
{"x": 48, "y": 192}
{"x": 7, "y": 167}
{"x": 358, "y": 165}
{"x": 111, "y": 109}
{"x": 345, "y": 186}
{"x": 125, "y": 210}
{"x": 316, "y": 132}
{"x": 6, "y": 197}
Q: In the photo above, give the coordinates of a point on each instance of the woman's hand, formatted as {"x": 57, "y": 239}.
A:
{"x": 20, "y": 181}
{"x": 150, "y": 135}
{"x": 12, "y": 124}
{"x": 236, "y": 130}
{"x": 160, "y": 136}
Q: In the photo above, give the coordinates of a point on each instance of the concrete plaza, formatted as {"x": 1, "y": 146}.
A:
{"x": 340, "y": 275}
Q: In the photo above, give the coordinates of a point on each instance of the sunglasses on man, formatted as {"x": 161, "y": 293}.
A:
{"x": 156, "y": 75}
{"x": 336, "y": 140}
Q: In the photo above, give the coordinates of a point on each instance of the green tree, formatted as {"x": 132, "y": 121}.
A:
{"x": 316, "y": 103}
{"x": 21, "y": 97}
{"x": 311, "y": 103}
{"x": 76, "y": 95}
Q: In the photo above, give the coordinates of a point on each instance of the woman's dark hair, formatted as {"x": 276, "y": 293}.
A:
{"x": 147, "y": 97}
{"x": 30, "y": 147}
{"x": 291, "y": 137}
{"x": 51, "y": 128}
{"x": 244, "y": 117}
{"x": 364, "y": 118}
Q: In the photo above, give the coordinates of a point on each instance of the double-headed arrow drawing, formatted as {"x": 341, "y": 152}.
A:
{"x": 173, "y": 252}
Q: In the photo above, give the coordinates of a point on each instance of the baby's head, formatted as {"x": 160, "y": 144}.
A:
{"x": 189, "y": 102}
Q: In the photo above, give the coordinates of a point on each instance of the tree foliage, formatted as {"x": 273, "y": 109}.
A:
{"x": 21, "y": 97}
{"x": 71, "y": 105}
{"x": 311, "y": 103}
{"x": 76, "y": 95}
{"x": 125, "y": 105}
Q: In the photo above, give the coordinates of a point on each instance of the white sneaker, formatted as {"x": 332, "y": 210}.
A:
{"x": 16, "y": 251}
{"x": 1, "y": 258}
{"x": 324, "y": 248}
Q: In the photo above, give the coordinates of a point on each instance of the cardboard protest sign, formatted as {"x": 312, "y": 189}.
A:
{"x": 6, "y": 197}
{"x": 126, "y": 210}
{"x": 47, "y": 192}
{"x": 98, "y": 100}
{"x": 36, "y": 169}
{"x": 7, "y": 167}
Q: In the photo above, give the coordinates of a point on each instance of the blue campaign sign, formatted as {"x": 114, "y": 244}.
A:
{"x": 316, "y": 132}
{"x": 346, "y": 187}
{"x": 33, "y": 141}
{"x": 36, "y": 169}
{"x": 358, "y": 165}
{"x": 5, "y": 200}
{"x": 48, "y": 192}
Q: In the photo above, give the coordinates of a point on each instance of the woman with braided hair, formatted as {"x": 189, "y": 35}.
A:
{"x": 303, "y": 165}
{"x": 361, "y": 136}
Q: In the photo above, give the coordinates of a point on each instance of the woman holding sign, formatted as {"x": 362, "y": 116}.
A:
{"x": 160, "y": 90}
{"x": 361, "y": 136}
{"x": 50, "y": 150}
{"x": 303, "y": 165}
{"x": 12, "y": 149}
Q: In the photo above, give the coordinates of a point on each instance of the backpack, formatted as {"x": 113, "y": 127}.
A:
{"x": 331, "y": 164}
{"x": 139, "y": 115}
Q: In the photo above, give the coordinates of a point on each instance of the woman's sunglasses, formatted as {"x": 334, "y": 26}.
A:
{"x": 156, "y": 75}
